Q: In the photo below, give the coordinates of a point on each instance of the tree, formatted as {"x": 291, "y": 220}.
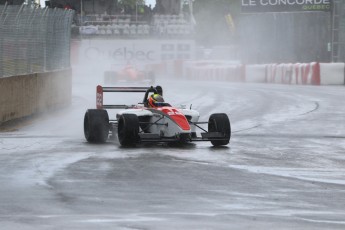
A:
{"x": 212, "y": 27}
{"x": 129, "y": 6}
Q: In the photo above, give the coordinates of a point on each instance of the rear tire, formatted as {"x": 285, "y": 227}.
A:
{"x": 128, "y": 129}
{"x": 219, "y": 122}
{"x": 96, "y": 125}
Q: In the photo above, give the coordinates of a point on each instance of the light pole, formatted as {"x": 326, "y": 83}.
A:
{"x": 81, "y": 12}
{"x": 136, "y": 11}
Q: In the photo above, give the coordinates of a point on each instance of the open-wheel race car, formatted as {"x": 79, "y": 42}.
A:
{"x": 152, "y": 120}
{"x": 129, "y": 74}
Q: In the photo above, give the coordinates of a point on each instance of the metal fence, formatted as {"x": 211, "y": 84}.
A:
{"x": 338, "y": 27}
{"x": 33, "y": 39}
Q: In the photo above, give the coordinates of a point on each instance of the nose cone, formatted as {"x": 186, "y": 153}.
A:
{"x": 177, "y": 116}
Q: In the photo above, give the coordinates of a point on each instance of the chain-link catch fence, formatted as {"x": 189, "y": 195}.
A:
{"x": 34, "y": 40}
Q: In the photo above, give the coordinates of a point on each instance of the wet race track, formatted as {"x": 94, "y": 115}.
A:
{"x": 284, "y": 167}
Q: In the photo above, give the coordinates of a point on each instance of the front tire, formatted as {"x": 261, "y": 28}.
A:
{"x": 96, "y": 125}
{"x": 128, "y": 129}
{"x": 219, "y": 122}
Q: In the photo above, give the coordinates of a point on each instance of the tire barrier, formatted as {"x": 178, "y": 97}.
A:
{"x": 26, "y": 95}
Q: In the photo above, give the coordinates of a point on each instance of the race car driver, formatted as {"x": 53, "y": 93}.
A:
{"x": 156, "y": 100}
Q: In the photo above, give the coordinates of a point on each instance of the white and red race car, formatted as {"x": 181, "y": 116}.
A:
{"x": 139, "y": 123}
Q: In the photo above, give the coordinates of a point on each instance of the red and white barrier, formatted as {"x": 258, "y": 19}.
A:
{"x": 213, "y": 70}
{"x": 299, "y": 73}
{"x": 313, "y": 73}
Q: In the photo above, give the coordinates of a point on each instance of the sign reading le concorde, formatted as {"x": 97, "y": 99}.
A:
{"x": 261, "y": 6}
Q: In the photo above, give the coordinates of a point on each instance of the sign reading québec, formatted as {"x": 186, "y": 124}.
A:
{"x": 262, "y": 6}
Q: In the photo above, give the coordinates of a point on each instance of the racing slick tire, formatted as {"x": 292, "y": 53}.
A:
{"x": 110, "y": 77}
{"x": 128, "y": 129}
{"x": 96, "y": 125}
{"x": 219, "y": 122}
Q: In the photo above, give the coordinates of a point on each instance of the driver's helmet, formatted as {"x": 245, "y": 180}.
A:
{"x": 156, "y": 100}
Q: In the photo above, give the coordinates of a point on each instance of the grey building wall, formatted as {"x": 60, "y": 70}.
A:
{"x": 285, "y": 37}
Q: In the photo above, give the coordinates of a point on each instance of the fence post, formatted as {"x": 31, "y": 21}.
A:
{"x": 2, "y": 22}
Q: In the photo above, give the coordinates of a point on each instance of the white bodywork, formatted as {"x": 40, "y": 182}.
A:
{"x": 161, "y": 123}
{"x": 139, "y": 112}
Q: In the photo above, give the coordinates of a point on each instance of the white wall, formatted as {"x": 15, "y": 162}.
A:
{"x": 332, "y": 73}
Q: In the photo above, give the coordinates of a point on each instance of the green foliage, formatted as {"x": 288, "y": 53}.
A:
{"x": 130, "y": 4}
{"x": 212, "y": 28}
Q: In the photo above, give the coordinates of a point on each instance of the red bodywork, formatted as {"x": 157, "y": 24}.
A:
{"x": 131, "y": 72}
{"x": 176, "y": 116}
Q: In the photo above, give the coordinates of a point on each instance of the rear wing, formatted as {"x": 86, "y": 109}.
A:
{"x": 101, "y": 90}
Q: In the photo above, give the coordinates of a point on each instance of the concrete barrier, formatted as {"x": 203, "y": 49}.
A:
{"x": 26, "y": 95}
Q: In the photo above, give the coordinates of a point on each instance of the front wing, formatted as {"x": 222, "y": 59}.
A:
{"x": 211, "y": 136}
{"x": 181, "y": 137}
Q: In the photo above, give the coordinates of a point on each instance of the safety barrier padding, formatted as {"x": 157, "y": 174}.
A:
{"x": 25, "y": 95}
{"x": 313, "y": 73}
{"x": 332, "y": 73}
{"x": 213, "y": 70}
{"x": 298, "y": 73}
{"x": 255, "y": 73}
